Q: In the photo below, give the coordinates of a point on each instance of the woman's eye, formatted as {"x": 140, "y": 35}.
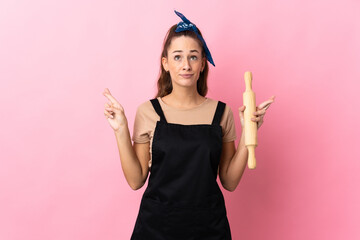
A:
{"x": 177, "y": 57}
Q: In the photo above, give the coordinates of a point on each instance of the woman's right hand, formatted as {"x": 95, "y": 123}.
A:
{"x": 114, "y": 112}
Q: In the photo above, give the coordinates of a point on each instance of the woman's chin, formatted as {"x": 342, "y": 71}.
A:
{"x": 186, "y": 83}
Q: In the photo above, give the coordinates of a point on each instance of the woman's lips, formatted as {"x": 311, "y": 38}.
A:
{"x": 186, "y": 75}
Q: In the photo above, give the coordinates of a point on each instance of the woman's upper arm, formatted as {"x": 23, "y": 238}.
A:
{"x": 142, "y": 151}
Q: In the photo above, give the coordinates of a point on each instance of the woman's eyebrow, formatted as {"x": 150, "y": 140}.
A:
{"x": 190, "y": 51}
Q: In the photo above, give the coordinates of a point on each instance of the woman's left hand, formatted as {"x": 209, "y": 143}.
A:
{"x": 259, "y": 114}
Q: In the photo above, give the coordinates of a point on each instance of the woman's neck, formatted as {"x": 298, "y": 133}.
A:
{"x": 183, "y": 100}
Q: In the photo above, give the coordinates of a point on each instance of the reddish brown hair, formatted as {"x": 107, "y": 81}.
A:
{"x": 164, "y": 84}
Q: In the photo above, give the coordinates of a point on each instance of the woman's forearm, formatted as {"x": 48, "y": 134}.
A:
{"x": 237, "y": 164}
{"x": 129, "y": 161}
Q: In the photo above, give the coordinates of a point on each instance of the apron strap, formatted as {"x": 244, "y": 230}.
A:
{"x": 157, "y": 107}
{"x": 218, "y": 113}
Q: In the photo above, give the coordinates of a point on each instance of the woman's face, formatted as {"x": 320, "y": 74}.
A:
{"x": 184, "y": 61}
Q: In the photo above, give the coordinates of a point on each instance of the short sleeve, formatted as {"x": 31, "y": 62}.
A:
{"x": 228, "y": 125}
{"x": 140, "y": 131}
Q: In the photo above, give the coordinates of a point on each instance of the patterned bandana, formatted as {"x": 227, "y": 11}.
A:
{"x": 187, "y": 25}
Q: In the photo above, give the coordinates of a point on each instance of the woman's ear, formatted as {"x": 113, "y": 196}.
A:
{"x": 164, "y": 63}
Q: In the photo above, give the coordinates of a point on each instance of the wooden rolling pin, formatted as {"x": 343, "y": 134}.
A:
{"x": 250, "y": 127}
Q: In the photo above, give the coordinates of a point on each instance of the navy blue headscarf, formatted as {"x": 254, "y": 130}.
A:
{"x": 184, "y": 25}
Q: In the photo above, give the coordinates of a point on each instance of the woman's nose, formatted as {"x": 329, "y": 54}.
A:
{"x": 186, "y": 64}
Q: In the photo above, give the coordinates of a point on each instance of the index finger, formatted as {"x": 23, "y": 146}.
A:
{"x": 267, "y": 103}
{"x": 108, "y": 95}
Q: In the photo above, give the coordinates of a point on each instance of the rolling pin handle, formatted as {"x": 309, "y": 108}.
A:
{"x": 251, "y": 157}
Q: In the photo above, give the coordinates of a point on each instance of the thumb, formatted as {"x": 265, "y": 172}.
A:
{"x": 242, "y": 108}
{"x": 241, "y": 111}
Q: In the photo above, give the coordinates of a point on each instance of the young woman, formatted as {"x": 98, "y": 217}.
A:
{"x": 184, "y": 139}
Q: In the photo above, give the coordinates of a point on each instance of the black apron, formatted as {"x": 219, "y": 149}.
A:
{"x": 182, "y": 200}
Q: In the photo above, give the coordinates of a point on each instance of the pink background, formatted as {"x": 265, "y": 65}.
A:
{"x": 60, "y": 173}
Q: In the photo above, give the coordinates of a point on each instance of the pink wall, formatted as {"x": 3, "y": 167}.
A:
{"x": 60, "y": 173}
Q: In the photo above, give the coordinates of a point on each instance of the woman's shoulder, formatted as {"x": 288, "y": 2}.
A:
{"x": 219, "y": 100}
{"x": 216, "y": 101}
{"x": 227, "y": 110}
{"x": 146, "y": 109}
{"x": 146, "y": 104}
{"x": 212, "y": 104}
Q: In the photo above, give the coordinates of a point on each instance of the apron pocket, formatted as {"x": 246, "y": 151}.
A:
{"x": 180, "y": 223}
{"x": 152, "y": 215}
